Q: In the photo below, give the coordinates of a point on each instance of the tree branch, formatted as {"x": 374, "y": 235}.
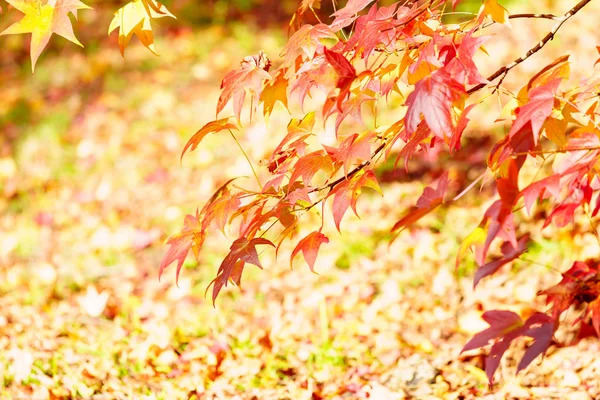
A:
{"x": 502, "y": 72}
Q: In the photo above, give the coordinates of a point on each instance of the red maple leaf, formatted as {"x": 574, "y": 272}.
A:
{"x": 537, "y": 109}
{"x": 309, "y": 246}
{"x": 345, "y": 16}
{"x": 433, "y": 98}
{"x": 509, "y": 253}
{"x": 307, "y": 166}
{"x": 461, "y": 67}
{"x": 429, "y": 201}
{"x": 241, "y": 251}
{"x": 563, "y": 294}
{"x": 506, "y": 326}
{"x": 305, "y": 42}
{"x": 376, "y": 29}
{"x": 346, "y": 74}
{"x": 346, "y": 194}
{"x": 191, "y": 236}
{"x": 354, "y": 149}
{"x": 250, "y": 76}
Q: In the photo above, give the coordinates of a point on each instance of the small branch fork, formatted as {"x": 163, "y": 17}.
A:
{"x": 502, "y": 72}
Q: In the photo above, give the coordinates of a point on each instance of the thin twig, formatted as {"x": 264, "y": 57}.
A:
{"x": 502, "y": 72}
{"x": 247, "y": 158}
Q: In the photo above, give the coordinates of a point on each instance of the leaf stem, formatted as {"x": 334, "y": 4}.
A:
{"x": 247, "y": 158}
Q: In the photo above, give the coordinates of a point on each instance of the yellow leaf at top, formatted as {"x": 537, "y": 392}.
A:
{"x": 42, "y": 19}
{"x": 135, "y": 18}
{"x": 495, "y": 11}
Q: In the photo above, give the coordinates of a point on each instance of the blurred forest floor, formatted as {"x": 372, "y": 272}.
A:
{"x": 91, "y": 185}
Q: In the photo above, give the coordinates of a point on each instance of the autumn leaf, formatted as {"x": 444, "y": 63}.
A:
{"x": 212, "y": 127}
{"x": 249, "y": 77}
{"x": 345, "y": 71}
{"x": 242, "y": 251}
{"x": 537, "y": 110}
{"x": 346, "y": 15}
{"x": 353, "y": 150}
{"x": 506, "y": 326}
{"x": 541, "y": 189}
{"x": 346, "y": 194}
{"x": 495, "y": 11}
{"x": 307, "y": 166}
{"x": 562, "y": 295}
{"x": 429, "y": 201}
{"x": 305, "y": 42}
{"x": 135, "y": 18}
{"x": 509, "y": 253}
{"x": 42, "y": 20}
{"x": 474, "y": 238}
{"x": 191, "y": 237}
{"x": 433, "y": 98}
{"x": 274, "y": 91}
{"x": 309, "y": 246}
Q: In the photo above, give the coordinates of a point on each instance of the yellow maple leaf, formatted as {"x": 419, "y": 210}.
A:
{"x": 135, "y": 18}
{"x": 495, "y": 11}
{"x": 42, "y": 19}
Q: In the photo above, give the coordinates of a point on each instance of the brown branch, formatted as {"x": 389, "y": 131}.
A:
{"x": 502, "y": 72}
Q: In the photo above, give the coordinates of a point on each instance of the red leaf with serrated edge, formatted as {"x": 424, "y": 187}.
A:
{"x": 305, "y": 42}
{"x": 501, "y": 322}
{"x": 241, "y": 251}
{"x": 309, "y": 246}
{"x": 429, "y": 201}
{"x": 376, "y": 30}
{"x": 537, "y": 109}
{"x": 351, "y": 107}
{"x": 508, "y": 186}
{"x": 507, "y": 147}
{"x": 462, "y": 68}
{"x": 562, "y": 295}
{"x": 245, "y": 249}
{"x": 221, "y": 209}
{"x": 353, "y": 150}
{"x": 345, "y": 16}
{"x": 463, "y": 121}
{"x": 499, "y": 220}
{"x": 342, "y": 198}
{"x": 191, "y": 236}
{"x": 212, "y": 127}
{"x": 433, "y": 98}
{"x": 307, "y": 166}
{"x": 299, "y": 194}
{"x": 346, "y": 74}
{"x": 562, "y": 215}
{"x": 509, "y": 253}
{"x": 506, "y": 326}
{"x": 347, "y": 192}
{"x": 250, "y": 76}
{"x": 541, "y": 189}
{"x": 541, "y": 328}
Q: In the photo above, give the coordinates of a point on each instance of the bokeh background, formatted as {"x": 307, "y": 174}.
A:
{"x": 91, "y": 185}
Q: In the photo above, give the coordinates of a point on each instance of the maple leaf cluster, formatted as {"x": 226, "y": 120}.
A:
{"x": 364, "y": 57}
{"x": 45, "y": 17}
